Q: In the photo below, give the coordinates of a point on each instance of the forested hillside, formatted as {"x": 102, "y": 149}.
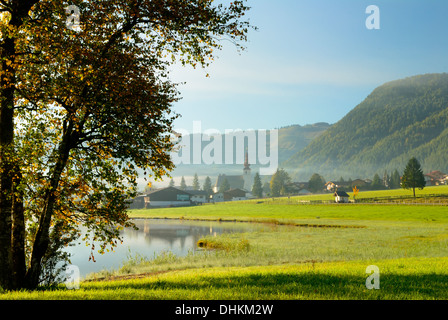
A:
{"x": 397, "y": 121}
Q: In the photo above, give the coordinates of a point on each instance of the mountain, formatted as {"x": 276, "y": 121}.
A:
{"x": 291, "y": 139}
{"x": 398, "y": 120}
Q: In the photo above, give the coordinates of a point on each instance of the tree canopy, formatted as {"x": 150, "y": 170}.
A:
{"x": 207, "y": 187}
{"x": 83, "y": 109}
{"x": 196, "y": 186}
{"x": 316, "y": 183}
{"x": 225, "y": 185}
{"x": 257, "y": 187}
{"x": 413, "y": 176}
{"x": 278, "y": 183}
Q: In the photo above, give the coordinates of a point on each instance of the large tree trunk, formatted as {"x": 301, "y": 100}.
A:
{"x": 6, "y": 160}
{"x": 12, "y": 255}
{"x": 42, "y": 238}
{"x": 18, "y": 234}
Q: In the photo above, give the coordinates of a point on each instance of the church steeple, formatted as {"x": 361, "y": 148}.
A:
{"x": 246, "y": 161}
{"x": 247, "y": 176}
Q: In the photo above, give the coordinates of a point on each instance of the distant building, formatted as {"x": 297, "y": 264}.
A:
{"x": 244, "y": 181}
{"x": 304, "y": 192}
{"x": 138, "y": 202}
{"x": 217, "y": 197}
{"x": 436, "y": 178}
{"x": 235, "y": 195}
{"x": 360, "y": 183}
{"x": 341, "y": 197}
{"x": 199, "y": 196}
{"x": 230, "y": 195}
{"x": 331, "y": 186}
{"x": 167, "y": 197}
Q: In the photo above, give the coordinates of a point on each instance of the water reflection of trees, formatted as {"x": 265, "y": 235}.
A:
{"x": 171, "y": 233}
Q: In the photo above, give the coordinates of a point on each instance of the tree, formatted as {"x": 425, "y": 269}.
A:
{"x": 183, "y": 185}
{"x": 413, "y": 176}
{"x": 355, "y": 192}
{"x": 266, "y": 188}
{"x": 196, "y": 185}
{"x": 225, "y": 186}
{"x": 395, "y": 180}
{"x": 257, "y": 188}
{"x": 278, "y": 182}
{"x": 208, "y": 185}
{"x": 386, "y": 179}
{"x": 171, "y": 184}
{"x": 94, "y": 105}
{"x": 316, "y": 183}
{"x": 376, "y": 182}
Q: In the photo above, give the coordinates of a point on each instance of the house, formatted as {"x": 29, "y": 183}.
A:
{"x": 304, "y": 192}
{"x": 235, "y": 195}
{"x": 331, "y": 186}
{"x": 294, "y": 187}
{"x": 235, "y": 182}
{"x": 341, "y": 197}
{"x": 243, "y": 182}
{"x": 360, "y": 182}
{"x": 137, "y": 203}
{"x": 167, "y": 197}
{"x": 436, "y": 178}
{"x": 199, "y": 196}
{"x": 217, "y": 197}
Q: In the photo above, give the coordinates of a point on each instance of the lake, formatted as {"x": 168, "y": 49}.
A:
{"x": 153, "y": 237}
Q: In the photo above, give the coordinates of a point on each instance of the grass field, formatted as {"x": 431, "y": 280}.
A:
{"x": 402, "y": 279}
{"x": 296, "y": 252}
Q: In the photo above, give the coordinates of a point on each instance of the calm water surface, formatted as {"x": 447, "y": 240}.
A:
{"x": 152, "y": 238}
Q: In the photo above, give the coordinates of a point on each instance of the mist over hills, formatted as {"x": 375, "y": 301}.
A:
{"x": 291, "y": 139}
{"x": 398, "y": 120}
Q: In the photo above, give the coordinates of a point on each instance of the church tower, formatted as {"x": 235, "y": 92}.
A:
{"x": 247, "y": 176}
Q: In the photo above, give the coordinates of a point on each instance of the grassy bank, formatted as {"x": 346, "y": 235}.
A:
{"x": 297, "y": 252}
{"x": 283, "y": 212}
{"x": 402, "y": 279}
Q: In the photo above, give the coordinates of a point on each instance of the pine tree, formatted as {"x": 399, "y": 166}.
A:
{"x": 395, "y": 180}
{"x": 257, "y": 188}
{"x": 225, "y": 186}
{"x": 376, "y": 182}
{"x": 413, "y": 176}
{"x": 171, "y": 183}
{"x": 208, "y": 185}
{"x": 183, "y": 185}
{"x": 196, "y": 185}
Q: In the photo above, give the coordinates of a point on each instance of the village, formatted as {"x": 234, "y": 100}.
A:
{"x": 240, "y": 187}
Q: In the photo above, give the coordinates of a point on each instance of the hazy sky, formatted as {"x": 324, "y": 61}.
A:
{"x": 313, "y": 61}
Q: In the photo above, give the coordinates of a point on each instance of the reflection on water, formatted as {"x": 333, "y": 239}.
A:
{"x": 153, "y": 237}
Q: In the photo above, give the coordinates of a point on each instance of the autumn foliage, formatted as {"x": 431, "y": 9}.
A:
{"x": 82, "y": 111}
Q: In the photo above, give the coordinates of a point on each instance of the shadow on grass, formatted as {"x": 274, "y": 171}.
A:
{"x": 304, "y": 286}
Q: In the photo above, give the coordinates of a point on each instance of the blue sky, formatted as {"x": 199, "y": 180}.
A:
{"x": 312, "y": 61}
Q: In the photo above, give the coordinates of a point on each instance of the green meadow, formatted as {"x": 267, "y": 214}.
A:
{"x": 293, "y": 251}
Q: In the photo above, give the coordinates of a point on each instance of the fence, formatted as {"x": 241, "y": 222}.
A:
{"x": 427, "y": 199}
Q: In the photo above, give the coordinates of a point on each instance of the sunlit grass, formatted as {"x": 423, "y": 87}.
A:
{"x": 295, "y": 252}
{"x": 402, "y": 279}
{"x": 258, "y": 212}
